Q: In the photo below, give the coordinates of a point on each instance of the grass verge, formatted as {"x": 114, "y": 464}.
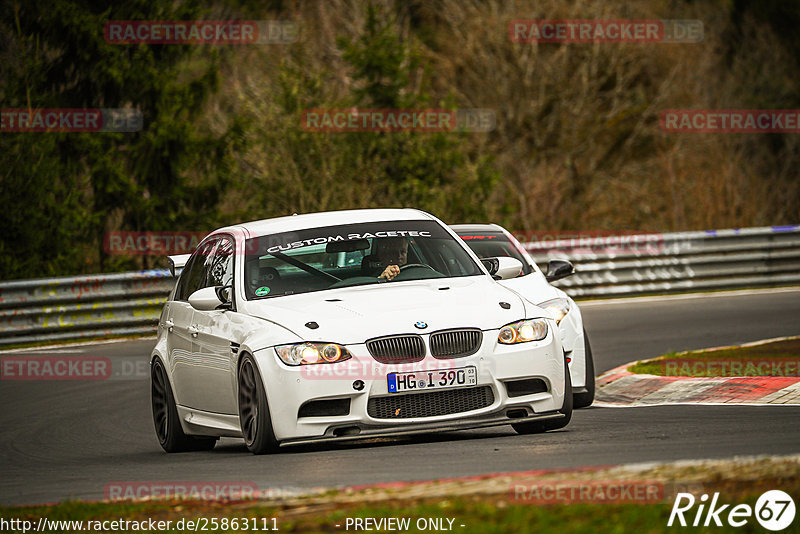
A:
{"x": 489, "y": 505}
{"x": 476, "y": 514}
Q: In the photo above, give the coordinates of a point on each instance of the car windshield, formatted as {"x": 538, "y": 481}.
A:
{"x": 352, "y": 255}
{"x": 494, "y": 244}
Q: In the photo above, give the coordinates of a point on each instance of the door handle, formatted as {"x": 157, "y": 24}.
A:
{"x": 169, "y": 325}
{"x": 194, "y": 330}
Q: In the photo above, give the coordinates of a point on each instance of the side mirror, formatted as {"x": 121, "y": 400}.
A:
{"x": 503, "y": 267}
{"x": 558, "y": 269}
{"x": 211, "y": 298}
{"x": 177, "y": 263}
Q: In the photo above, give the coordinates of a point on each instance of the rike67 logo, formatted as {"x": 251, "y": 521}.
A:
{"x": 774, "y": 510}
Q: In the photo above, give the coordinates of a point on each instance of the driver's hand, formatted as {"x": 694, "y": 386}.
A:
{"x": 390, "y": 272}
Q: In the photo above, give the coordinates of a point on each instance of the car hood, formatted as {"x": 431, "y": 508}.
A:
{"x": 356, "y": 314}
{"x": 533, "y": 287}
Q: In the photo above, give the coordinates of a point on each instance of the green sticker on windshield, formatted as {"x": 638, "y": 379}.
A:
{"x": 261, "y": 291}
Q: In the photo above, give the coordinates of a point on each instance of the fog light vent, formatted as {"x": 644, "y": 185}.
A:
{"x": 325, "y": 408}
{"x": 527, "y": 386}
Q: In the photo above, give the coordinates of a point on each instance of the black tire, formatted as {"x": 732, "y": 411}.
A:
{"x": 586, "y": 398}
{"x": 537, "y": 427}
{"x": 254, "y": 418}
{"x": 170, "y": 435}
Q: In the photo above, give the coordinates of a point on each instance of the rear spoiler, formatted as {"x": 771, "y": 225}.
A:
{"x": 176, "y": 263}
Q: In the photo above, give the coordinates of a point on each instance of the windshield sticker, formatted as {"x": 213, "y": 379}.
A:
{"x": 348, "y": 237}
{"x": 344, "y": 235}
{"x": 262, "y": 291}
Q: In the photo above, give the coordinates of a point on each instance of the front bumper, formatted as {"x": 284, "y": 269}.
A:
{"x": 351, "y": 433}
{"x": 289, "y": 388}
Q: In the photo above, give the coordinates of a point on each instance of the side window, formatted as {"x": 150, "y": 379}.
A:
{"x": 195, "y": 274}
{"x": 180, "y": 291}
{"x": 220, "y": 264}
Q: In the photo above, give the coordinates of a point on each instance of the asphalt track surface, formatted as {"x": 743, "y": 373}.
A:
{"x": 68, "y": 440}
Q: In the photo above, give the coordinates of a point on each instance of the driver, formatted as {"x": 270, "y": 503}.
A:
{"x": 391, "y": 252}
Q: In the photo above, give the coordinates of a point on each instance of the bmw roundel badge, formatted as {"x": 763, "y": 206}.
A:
{"x": 421, "y": 324}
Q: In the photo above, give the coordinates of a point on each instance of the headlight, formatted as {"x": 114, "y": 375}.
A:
{"x": 558, "y": 307}
{"x": 311, "y": 353}
{"x": 522, "y": 331}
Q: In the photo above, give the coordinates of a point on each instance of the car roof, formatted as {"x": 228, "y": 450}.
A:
{"x": 295, "y": 222}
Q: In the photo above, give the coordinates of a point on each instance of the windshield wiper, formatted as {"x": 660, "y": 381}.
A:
{"x": 304, "y": 266}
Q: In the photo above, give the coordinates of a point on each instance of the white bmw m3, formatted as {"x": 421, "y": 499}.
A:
{"x": 490, "y": 240}
{"x": 349, "y": 325}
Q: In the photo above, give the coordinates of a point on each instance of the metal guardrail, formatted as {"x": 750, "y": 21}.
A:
{"x": 79, "y": 307}
{"x": 678, "y": 262}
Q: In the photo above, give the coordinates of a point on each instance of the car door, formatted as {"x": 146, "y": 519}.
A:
{"x": 182, "y": 331}
{"x": 216, "y": 371}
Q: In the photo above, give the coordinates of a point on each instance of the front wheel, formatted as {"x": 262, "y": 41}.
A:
{"x": 253, "y": 409}
{"x": 537, "y": 427}
{"x": 586, "y": 398}
{"x": 170, "y": 435}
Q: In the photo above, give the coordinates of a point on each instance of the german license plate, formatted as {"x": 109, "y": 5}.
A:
{"x": 434, "y": 379}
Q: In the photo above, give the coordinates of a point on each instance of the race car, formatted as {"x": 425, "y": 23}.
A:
{"x": 491, "y": 240}
{"x": 346, "y": 325}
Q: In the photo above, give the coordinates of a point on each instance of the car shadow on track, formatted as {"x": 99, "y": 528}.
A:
{"x": 235, "y": 447}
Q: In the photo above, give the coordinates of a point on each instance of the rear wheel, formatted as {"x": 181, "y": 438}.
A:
{"x": 536, "y": 427}
{"x": 586, "y": 398}
{"x": 165, "y": 416}
{"x": 253, "y": 410}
